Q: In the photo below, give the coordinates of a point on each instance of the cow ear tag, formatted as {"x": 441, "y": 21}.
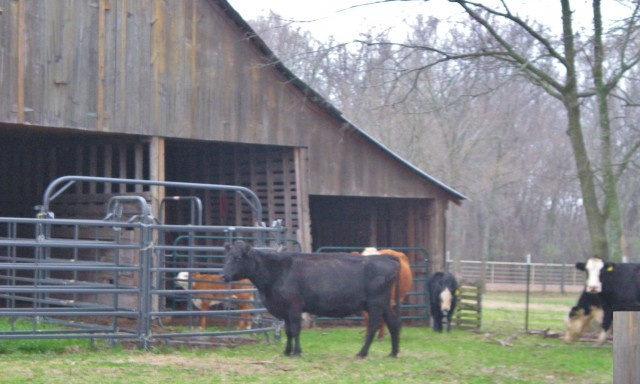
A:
{"x": 457, "y": 292}
{"x": 610, "y": 268}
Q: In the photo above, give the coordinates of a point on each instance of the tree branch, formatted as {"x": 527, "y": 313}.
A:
{"x": 510, "y": 51}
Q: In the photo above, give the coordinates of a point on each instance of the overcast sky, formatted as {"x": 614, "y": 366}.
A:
{"x": 343, "y": 21}
{"x": 337, "y": 18}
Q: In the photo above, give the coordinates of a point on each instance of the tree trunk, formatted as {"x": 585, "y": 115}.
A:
{"x": 596, "y": 221}
{"x": 611, "y": 207}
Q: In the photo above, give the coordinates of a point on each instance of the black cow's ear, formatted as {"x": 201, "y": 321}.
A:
{"x": 608, "y": 267}
{"x": 227, "y": 246}
{"x": 247, "y": 248}
{"x": 580, "y": 266}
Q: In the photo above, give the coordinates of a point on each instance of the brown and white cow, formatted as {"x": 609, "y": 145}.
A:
{"x": 405, "y": 280}
{"x": 208, "y": 282}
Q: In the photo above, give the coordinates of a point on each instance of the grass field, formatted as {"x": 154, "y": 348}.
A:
{"x": 500, "y": 353}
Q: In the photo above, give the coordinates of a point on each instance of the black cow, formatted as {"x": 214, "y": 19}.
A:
{"x": 586, "y": 316}
{"x": 443, "y": 292}
{"x": 615, "y": 285}
{"x": 324, "y": 284}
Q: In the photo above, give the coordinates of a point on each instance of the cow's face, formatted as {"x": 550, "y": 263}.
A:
{"x": 595, "y": 268}
{"x": 446, "y": 297}
{"x": 182, "y": 280}
{"x": 237, "y": 261}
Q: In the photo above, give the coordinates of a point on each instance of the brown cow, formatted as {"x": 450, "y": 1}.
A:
{"x": 201, "y": 281}
{"x": 406, "y": 279}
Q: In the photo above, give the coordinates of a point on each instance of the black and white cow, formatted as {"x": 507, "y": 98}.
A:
{"x": 586, "y": 316}
{"x": 324, "y": 284}
{"x": 615, "y": 284}
{"x": 443, "y": 292}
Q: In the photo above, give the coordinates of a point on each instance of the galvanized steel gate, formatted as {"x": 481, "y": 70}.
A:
{"x": 115, "y": 278}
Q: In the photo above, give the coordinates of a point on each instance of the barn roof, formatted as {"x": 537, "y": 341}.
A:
{"x": 319, "y": 100}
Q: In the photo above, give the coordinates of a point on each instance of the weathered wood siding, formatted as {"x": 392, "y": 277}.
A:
{"x": 177, "y": 69}
{"x": 151, "y": 67}
{"x": 351, "y": 165}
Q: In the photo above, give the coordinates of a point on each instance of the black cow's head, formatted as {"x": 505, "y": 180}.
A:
{"x": 447, "y": 299}
{"x": 238, "y": 264}
{"x": 595, "y": 268}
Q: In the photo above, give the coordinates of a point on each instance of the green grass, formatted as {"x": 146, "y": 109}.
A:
{"x": 546, "y": 310}
{"x": 329, "y": 357}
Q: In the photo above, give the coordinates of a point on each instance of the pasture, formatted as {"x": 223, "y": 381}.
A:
{"x": 500, "y": 353}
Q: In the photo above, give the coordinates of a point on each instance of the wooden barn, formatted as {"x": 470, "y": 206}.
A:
{"x": 186, "y": 91}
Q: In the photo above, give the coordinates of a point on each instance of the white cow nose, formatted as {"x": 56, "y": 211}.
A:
{"x": 593, "y": 289}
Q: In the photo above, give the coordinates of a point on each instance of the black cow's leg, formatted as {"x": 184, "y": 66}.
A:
{"x": 375, "y": 317}
{"x": 392, "y": 320}
{"x": 449, "y": 316}
{"x": 287, "y": 327}
{"x": 606, "y": 324}
{"x": 296, "y": 325}
{"x": 436, "y": 317}
{"x": 293, "y": 324}
{"x": 437, "y": 321}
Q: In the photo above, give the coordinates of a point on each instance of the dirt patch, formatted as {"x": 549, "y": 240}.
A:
{"x": 204, "y": 363}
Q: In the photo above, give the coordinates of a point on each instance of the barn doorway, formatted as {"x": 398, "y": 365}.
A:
{"x": 269, "y": 171}
{"x": 358, "y": 221}
{"x": 31, "y": 157}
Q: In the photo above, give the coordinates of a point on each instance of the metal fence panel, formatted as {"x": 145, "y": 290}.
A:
{"x": 114, "y": 278}
{"x": 513, "y": 275}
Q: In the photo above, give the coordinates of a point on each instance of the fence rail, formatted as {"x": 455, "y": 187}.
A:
{"x": 513, "y": 275}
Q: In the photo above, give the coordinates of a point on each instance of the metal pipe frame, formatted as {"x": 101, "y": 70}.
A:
{"x": 84, "y": 287}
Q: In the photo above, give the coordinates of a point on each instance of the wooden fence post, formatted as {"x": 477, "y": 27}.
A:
{"x": 626, "y": 347}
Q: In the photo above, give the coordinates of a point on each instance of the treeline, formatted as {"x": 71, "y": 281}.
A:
{"x": 478, "y": 126}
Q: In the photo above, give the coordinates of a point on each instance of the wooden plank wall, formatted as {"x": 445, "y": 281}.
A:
{"x": 267, "y": 171}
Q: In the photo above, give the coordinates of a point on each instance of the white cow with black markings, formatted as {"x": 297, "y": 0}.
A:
{"x": 615, "y": 284}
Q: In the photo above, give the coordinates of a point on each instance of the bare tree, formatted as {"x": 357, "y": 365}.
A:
{"x": 471, "y": 106}
{"x": 573, "y": 70}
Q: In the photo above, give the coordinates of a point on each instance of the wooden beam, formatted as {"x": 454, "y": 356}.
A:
{"x": 157, "y": 172}
{"x": 304, "y": 217}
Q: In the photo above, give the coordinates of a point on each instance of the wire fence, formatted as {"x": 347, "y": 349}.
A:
{"x": 501, "y": 275}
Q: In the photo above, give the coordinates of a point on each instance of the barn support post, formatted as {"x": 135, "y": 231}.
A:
{"x": 156, "y": 173}
{"x": 437, "y": 234}
{"x": 301, "y": 159}
{"x": 157, "y": 170}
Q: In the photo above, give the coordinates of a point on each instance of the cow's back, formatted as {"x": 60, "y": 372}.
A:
{"x": 340, "y": 284}
{"x": 622, "y": 285}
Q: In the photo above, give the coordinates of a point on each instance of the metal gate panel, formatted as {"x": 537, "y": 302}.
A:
{"x": 110, "y": 278}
